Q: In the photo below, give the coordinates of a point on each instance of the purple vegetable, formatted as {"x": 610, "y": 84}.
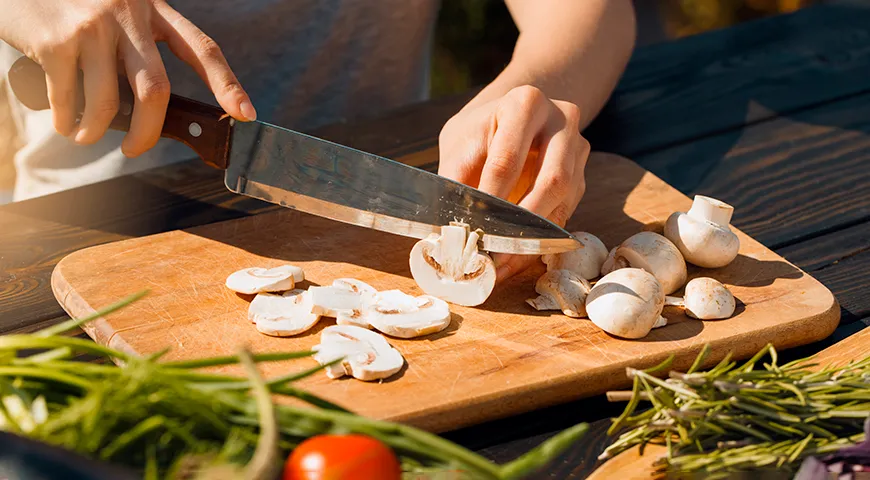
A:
{"x": 844, "y": 463}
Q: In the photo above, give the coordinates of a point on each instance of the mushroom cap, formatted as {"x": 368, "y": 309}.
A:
{"x": 657, "y": 255}
{"x": 708, "y": 299}
{"x": 585, "y": 261}
{"x": 449, "y": 266}
{"x": 401, "y": 315}
{"x": 626, "y": 302}
{"x": 702, "y": 243}
{"x": 283, "y": 314}
{"x": 258, "y": 280}
{"x": 562, "y": 290}
{"x": 367, "y": 354}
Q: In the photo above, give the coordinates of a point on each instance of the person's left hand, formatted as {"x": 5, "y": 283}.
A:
{"x": 523, "y": 147}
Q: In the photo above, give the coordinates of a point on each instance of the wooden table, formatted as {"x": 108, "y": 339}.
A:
{"x": 772, "y": 116}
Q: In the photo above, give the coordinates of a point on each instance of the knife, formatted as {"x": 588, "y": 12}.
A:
{"x": 323, "y": 178}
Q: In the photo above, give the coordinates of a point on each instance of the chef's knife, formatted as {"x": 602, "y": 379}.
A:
{"x": 298, "y": 171}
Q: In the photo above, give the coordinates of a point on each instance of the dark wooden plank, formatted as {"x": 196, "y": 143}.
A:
{"x": 789, "y": 178}
{"x": 708, "y": 83}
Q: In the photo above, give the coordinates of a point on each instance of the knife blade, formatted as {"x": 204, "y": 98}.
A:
{"x": 319, "y": 177}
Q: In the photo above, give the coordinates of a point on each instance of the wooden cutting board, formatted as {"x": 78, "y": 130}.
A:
{"x": 496, "y": 360}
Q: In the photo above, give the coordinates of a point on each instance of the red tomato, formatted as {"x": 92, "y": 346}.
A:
{"x": 341, "y": 457}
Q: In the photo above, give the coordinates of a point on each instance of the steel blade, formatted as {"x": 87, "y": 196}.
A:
{"x": 333, "y": 181}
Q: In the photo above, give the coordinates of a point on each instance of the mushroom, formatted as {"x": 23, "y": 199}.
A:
{"x": 258, "y": 280}
{"x": 607, "y": 266}
{"x": 627, "y": 303}
{"x": 343, "y": 297}
{"x": 585, "y": 261}
{"x": 563, "y": 290}
{"x": 367, "y": 355}
{"x": 401, "y": 315}
{"x": 448, "y": 266}
{"x": 284, "y": 314}
{"x": 653, "y": 253}
{"x": 704, "y": 235}
{"x": 705, "y": 299}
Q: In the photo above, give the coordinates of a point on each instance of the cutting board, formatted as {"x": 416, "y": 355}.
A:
{"x": 496, "y": 360}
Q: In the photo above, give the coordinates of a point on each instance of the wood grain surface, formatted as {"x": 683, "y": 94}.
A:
{"x": 494, "y": 361}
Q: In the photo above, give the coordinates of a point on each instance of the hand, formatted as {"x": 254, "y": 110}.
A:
{"x": 523, "y": 147}
{"x": 103, "y": 37}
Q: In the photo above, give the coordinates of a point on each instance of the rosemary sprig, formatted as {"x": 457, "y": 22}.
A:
{"x": 735, "y": 418}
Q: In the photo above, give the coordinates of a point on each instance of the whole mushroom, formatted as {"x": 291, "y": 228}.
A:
{"x": 653, "y": 253}
{"x": 703, "y": 234}
{"x": 627, "y": 303}
{"x": 562, "y": 290}
{"x": 705, "y": 299}
{"x": 586, "y": 261}
{"x": 449, "y": 266}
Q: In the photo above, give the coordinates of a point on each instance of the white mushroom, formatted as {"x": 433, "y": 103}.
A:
{"x": 704, "y": 235}
{"x": 585, "y": 261}
{"x": 401, "y": 315}
{"x": 627, "y": 303}
{"x": 562, "y": 290}
{"x": 448, "y": 266}
{"x": 367, "y": 354}
{"x": 258, "y": 280}
{"x": 705, "y": 299}
{"x": 283, "y": 315}
{"x": 608, "y": 265}
{"x": 342, "y": 299}
{"x": 655, "y": 254}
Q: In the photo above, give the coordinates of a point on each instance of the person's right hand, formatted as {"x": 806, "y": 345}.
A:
{"x": 103, "y": 37}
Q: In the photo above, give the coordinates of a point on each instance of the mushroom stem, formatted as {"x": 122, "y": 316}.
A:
{"x": 711, "y": 210}
{"x": 544, "y": 302}
{"x": 674, "y": 301}
{"x": 470, "y": 248}
{"x": 660, "y": 322}
{"x": 453, "y": 248}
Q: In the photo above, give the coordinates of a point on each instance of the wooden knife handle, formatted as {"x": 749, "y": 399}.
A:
{"x": 204, "y": 128}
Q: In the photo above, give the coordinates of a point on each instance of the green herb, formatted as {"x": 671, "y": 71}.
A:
{"x": 171, "y": 420}
{"x": 741, "y": 418}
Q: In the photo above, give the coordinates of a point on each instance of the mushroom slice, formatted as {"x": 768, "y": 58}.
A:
{"x": 585, "y": 261}
{"x": 367, "y": 354}
{"x": 258, "y": 280}
{"x": 448, "y": 266}
{"x": 562, "y": 290}
{"x": 283, "y": 315}
{"x": 704, "y": 234}
{"x": 705, "y": 299}
{"x": 344, "y": 300}
{"x": 627, "y": 303}
{"x": 655, "y": 254}
{"x": 401, "y": 315}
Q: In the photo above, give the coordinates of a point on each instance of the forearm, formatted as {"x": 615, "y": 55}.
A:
{"x": 572, "y": 50}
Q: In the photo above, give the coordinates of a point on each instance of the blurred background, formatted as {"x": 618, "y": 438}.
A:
{"x": 474, "y": 40}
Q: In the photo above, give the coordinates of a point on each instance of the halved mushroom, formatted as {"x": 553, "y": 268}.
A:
{"x": 448, "y": 266}
{"x": 405, "y": 316}
{"x": 283, "y": 315}
{"x": 585, "y": 261}
{"x": 562, "y": 290}
{"x": 367, "y": 354}
{"x": 627, "y": 303}
{"x": 258, "y": 280}
{"x": 653, "y": 253}
{"x": 704, "y": 235}
{"x": 705, "y": 299}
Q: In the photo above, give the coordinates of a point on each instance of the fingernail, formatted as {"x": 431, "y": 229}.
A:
{"x": 248, "y": 111}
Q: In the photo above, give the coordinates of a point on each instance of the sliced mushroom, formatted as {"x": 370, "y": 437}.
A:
{"x": 341, "y": 298}
{"x": 609, "y": 262}
{"x": 705, "y": 299}
{"x": 585, "y": 261}
{"x": 258, "y": 280}
{"x": 562, "y": 290}
{"x": 283, "y": 315}
{"x": 401, "y": 315}
{"x": 704, "y": 234}
{"x": 367, "y": 354}
{"x": 627, "y": 303}
{"x": 655, "y": 254}
{"x": 449, "y": 266}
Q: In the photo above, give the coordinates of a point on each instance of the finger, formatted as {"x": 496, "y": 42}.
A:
{"x": 99, "y": 65}
{"x": 151, "y": 90}
{"x": 61, "y": 81}
{"x": 199, "y": 51}
{"x": 509, "y": 265}
{"x": 553, "y": 182}
{"x": 520, "y": 117}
